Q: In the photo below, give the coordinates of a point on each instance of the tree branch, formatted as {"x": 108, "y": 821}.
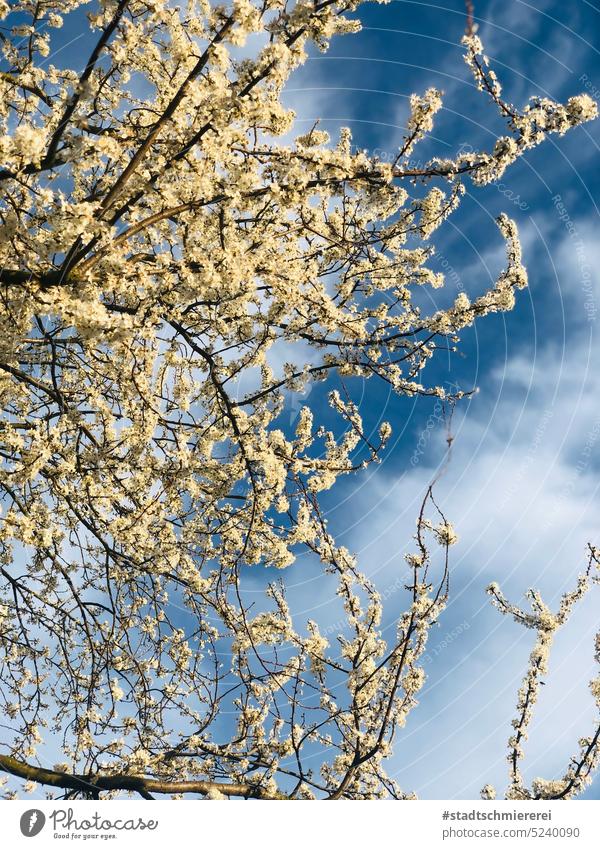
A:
{"x": 136, "y": 783}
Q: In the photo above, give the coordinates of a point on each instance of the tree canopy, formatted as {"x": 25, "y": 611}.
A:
{"x": 175, "y": 265}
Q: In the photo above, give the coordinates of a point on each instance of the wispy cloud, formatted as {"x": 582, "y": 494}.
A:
{"x": 523, "y": 491}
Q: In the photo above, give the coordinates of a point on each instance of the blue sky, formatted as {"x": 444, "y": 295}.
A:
{"x": 522, "y": 487}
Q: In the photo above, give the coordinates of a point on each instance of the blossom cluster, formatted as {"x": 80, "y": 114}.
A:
{"x": 546, "y": 624}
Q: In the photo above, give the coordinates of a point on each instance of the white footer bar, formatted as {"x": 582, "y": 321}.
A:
{"x": 301, "y": 825}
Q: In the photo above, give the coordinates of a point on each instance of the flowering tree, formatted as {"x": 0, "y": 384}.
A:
{"x": 159, "y": 250}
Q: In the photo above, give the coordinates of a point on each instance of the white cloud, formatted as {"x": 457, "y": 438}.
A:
{"x": 523, "y": 492}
